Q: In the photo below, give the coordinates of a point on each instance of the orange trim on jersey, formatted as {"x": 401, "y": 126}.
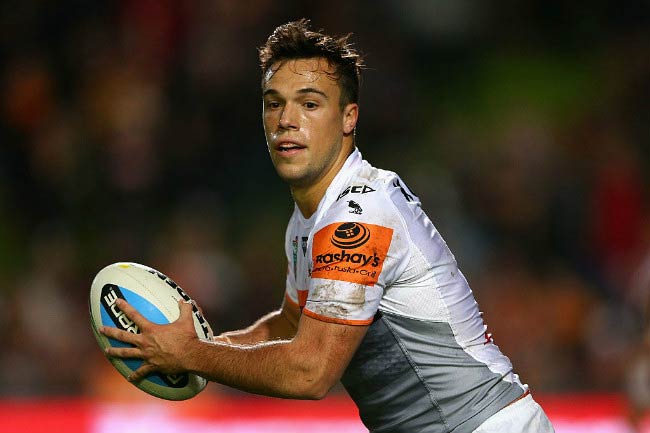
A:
{"x": 350, "y": 251}
{"x": 302, "y": 297}
{"x": 316, "y": 316}
{"x": 291, "y": 301}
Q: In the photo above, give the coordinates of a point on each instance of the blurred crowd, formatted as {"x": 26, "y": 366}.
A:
{"x": 130, "y": 131}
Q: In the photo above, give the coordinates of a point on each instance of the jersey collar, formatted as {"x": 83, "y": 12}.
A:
{"x": 337, "y": 185}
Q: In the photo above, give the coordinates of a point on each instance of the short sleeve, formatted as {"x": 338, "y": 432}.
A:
{"x": 354, "y": 256}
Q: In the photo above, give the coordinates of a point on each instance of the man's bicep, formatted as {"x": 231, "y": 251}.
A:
{"x": 280, "y": 324}
{"x": 332, "y": 344}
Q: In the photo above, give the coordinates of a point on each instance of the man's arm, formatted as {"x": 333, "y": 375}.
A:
{"x": 281, "y": 324}
{"x": 305, "y": 367}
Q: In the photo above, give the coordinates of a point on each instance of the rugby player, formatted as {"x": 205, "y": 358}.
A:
{"x": 373, "y": 297}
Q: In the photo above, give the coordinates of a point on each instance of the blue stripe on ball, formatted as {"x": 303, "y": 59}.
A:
{"x": 151, "y": 313}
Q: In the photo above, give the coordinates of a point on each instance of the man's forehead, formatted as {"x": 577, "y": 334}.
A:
{"x": 312, "y": 71}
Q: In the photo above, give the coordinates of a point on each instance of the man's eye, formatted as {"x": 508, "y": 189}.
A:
{"x": 310, "y": 105}
{"x": 273, "y": 104}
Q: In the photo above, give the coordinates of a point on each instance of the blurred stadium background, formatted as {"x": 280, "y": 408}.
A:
{"x": 130, "y": 131}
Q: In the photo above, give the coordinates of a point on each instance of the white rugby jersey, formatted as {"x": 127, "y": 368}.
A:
{"x": 369, "y": 255}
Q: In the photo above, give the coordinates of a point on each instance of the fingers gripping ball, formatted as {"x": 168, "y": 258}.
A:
{"x": 155, "y": 297}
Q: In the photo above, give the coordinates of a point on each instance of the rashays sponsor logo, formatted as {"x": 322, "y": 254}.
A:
{"x": 350, "y": 251}
{"x": 345, "y": 257}
{"x": 362, "y": 273}
{"x": 349, "y": 236}
{"x": 110, "y": 294}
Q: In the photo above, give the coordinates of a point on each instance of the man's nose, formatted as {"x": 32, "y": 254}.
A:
{"x": 288, "y": 118}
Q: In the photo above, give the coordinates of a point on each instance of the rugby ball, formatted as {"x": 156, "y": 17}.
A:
{"x": 156, "y": 297}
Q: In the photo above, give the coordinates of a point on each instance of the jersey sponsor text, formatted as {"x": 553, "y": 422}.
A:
{"x": 350, "y": 252}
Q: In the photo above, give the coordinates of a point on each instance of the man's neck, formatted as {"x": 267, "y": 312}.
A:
{"x": 308, "y": 198}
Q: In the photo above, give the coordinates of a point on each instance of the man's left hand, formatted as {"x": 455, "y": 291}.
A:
{"x": 161, "y": 347}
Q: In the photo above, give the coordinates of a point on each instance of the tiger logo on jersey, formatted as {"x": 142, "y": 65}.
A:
{"x": 350, "y": 251}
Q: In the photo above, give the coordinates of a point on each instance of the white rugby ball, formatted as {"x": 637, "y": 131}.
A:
{"x": 156, "y": 297}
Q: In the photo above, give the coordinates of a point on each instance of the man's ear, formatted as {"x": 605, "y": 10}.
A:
{"x": 350, "y": 116}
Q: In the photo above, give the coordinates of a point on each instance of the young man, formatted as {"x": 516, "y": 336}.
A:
{"x": 373, "y": 298}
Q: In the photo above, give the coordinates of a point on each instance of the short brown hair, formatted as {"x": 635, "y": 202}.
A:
{"x": 294, "y": 40}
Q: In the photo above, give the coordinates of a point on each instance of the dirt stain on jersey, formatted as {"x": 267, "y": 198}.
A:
{"x": 330, "y": 310}
{"x": 335, "y": 298}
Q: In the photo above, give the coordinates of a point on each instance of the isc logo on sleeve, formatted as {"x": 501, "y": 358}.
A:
{"x": 349, "y": 251}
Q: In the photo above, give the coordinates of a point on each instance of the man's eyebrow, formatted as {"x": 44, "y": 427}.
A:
{"x": 313, "y": 90}
{"x": 301, "y": 91}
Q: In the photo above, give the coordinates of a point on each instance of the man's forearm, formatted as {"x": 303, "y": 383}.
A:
{"x": 304, "y": 367}
{"x": 275, "y": 368}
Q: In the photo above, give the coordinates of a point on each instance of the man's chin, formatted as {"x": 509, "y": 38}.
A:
{"x": 295, "y": 178}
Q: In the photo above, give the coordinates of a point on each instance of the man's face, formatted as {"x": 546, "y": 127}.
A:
{"x": 303, "y": 121}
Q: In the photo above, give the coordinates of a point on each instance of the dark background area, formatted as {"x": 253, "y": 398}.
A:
{"x": 131, "y": 131}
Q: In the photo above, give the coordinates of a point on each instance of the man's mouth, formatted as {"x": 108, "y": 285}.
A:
{"x": 289, "y": 146}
